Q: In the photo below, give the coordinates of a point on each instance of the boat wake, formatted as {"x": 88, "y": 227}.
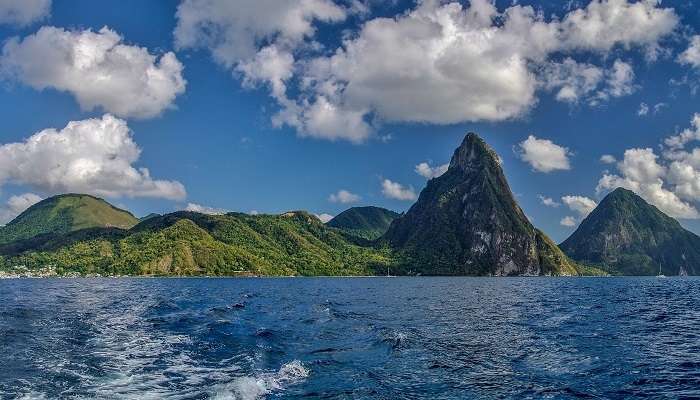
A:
{"x": 253, "y": 388}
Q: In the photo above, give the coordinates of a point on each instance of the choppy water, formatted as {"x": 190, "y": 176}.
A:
{"x": 362, "y": 338}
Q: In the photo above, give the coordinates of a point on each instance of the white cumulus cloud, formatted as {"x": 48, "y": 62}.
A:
{"x": 604, "y": 24}
{"x": 620, "y": 82}
{"x": 198, "y": 208}
{"x": 343, "y": 197}
{"x": 548, "y": 201}
{"x": 23, "y": 12}
{"x": 608, "y": 159}
{"x": 234, "y": 30}
{"x": 397, "y": 191}
{"x": 543, "y": 155}
{"x": 257, "y": 39}
{"x": 441, "y": 62}
{"x": 572, "y": 80}
{"x": 15, "y": 205}
{"x": 691, "y": 56}
{"x": 93, "y": 156}
{"x": 97, "y": 68}
{"x": 677, "y": 142}
{"x": 324, "y": 217}
{"x": 643, "y": 109}
{"x": 641, "y": 172}
{"x": 575, "y": 82}
{"x": 580, "y": 204}
{"x": 568, "y": 221}
{"x": 429, "y": 172}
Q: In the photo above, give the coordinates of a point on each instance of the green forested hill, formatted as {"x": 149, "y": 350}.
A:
{"x": 63, "y": 214}
{"x": 627, "y": 236}
{"x": 187, "y": 243}
{"x": 364, "y": 222}
{"x": 149, "y": 216}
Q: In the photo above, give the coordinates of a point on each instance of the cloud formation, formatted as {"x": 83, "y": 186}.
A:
{"x": 235, "y": 31}
{"x": 643, "y": 109}
{"x": 575, "y": 82}
{"x": 428, "y": 172}
{"x": 608, "y": 159}
{"x": 641, "y": 173}
{"x": 15, "y": 205}
{"x": 439, "y": 63}
{"x": 93, "y": 156}
{"x": 397, "y": 191}
{"x": 580, "y": 204}
{"x": 97, "y": 68}
{"x": 691, "y": 56}
{"x": 23, "y": 12}
{"x": 548, "y": 201}
{"x": 198, "y": 208}
{"x": 670, "y": 181}
{"x": 324, "y": 217}
{"x": 568, "y": 221}
{"x": 543, "y": 155}
{"x": 343, "y": 197}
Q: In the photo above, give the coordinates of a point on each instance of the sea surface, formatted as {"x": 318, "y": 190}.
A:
{"x": 350, "y": 338}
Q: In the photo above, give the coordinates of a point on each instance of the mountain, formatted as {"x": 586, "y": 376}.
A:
{"x": 65, "y": 213}
{"x": 149, "y": 216}
{"x": 466, "y": 222}
{"x": 188, "y": 243}
{"x": 627, "y": 236}
{"x": 365, "y": 222}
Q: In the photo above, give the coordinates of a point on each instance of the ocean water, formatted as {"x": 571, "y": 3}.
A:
{"x": 354, "y": 338}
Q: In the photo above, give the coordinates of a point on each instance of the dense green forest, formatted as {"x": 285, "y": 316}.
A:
{"x": 63, "y": 214}
{"x": 364, "y": 222}
{"x": 186, "y": 243}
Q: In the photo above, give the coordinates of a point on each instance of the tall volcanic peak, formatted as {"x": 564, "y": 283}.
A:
{"x": 474, "y": 153}
{"x": 467, "y": 222}
{"x": 628, "y": 236}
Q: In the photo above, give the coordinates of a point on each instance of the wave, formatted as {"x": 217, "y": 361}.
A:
{"x": 254, "y": 388}
{"x": 396, "y": 340}
{"x": 33, "y": 396}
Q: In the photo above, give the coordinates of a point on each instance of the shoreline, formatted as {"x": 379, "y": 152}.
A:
{"x": 17, "y": 277}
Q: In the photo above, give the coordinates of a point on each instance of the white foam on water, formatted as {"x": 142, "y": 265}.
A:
{"x": 255, "y": 388}
{"x": 33, "y": 396}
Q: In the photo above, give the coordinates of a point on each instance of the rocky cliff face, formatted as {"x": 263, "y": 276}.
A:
{"x": 466, "y": 222}
{"x": 627, "y": 236}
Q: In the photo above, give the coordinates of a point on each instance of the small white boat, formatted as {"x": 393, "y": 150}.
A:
{"x": 660, "y": 275}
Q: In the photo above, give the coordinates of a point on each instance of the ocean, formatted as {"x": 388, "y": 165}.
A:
{"x": 350, "y": 338}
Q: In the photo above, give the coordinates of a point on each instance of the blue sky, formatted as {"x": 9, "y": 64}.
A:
{"x": 210, "y": 133}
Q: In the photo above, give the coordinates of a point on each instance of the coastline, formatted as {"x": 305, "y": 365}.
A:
{"x": 17, "y": 276}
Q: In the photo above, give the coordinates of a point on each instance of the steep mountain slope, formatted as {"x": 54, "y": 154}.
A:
{"x": 65, "y": 213}
{"x": 149, "y": 216}
{"x": 187, "y": 243}
{"x": 365, "y": 222}
{"x": 466, "y": 222}
{"x": 626, "y": 235}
